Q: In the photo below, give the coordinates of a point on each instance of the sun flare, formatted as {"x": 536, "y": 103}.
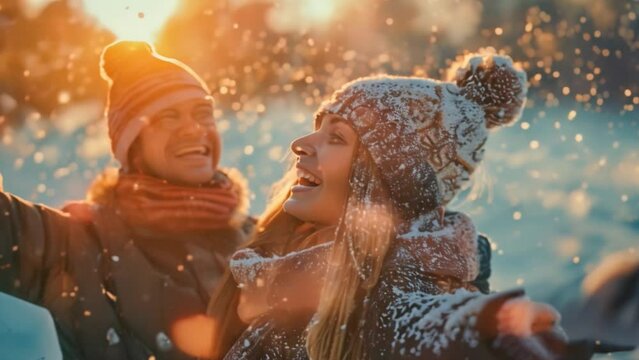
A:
{"x": 132, "y": 20}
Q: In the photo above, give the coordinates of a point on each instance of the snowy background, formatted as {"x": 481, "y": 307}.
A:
{"x": 560, "y": 188}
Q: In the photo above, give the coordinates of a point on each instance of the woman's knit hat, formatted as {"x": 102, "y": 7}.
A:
{"x": 142, "y": 82}
{"x": 425, "y": 136}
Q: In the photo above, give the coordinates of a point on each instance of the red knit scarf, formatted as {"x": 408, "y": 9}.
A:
{"x": 153, "y": 204}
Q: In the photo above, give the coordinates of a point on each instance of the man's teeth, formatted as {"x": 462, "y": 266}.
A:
{"x": 193, "y": 150}
{"x": 305, "y": 175}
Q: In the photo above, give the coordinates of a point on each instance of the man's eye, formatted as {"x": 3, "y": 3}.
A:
{"x": 168, "y": 116}
{"x": 206, "y": 120}
{"x": 203, "y": 115}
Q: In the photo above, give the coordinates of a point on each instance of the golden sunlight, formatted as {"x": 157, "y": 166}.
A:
{"x": 132, "y": 20}
{"x": 302, "y": 15}
{"x": 194, "y": 335}
{"x": 320, "y": 10}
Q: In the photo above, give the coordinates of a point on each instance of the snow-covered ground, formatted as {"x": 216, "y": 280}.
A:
{"x": 560, "y": 188}
{"x": 26, "y": 331}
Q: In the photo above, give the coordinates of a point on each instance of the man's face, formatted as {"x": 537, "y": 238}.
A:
{"x": 181, "y": 144}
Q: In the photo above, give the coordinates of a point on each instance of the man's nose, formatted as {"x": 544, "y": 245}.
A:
{"x": 191, "y": 126}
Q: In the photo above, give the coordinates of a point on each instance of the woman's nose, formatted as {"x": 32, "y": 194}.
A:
{"x": 302, "y": 146}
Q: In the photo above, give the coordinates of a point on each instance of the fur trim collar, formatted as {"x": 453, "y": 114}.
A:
{"x": 101, "y": 192}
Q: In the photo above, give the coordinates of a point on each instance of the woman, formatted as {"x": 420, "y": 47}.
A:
{"x": 357, "y": 258}
{"x": 152, "y": 240}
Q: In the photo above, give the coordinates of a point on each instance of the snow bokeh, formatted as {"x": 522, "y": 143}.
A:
{"x": 556, "y": 193}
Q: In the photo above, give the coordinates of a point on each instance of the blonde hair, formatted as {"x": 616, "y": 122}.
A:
{"x": 363, "y": 236}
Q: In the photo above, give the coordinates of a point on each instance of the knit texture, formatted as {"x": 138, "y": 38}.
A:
{"x": 403, "y": 121}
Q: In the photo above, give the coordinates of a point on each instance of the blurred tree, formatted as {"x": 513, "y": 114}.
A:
{"x": 574, "y": 51}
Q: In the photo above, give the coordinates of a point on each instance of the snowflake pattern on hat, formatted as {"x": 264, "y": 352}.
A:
{"x": 444, "y": 123}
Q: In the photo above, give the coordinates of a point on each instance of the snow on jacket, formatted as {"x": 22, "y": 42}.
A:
{"x": 112, "y": 292}
{"x": 427, "y": 303}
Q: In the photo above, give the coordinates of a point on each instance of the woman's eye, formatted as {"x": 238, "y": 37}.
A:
{"x": 337, "y": 139}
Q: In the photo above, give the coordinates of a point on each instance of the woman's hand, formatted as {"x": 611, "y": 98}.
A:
{"x": 291, "y": 283}
{"x": 522, "y": 317}
{"x": 252, "y": 304}
{"x": 1, "y": 187}
{"x": 249, "y": 270}
{"x": 296, "y": 292}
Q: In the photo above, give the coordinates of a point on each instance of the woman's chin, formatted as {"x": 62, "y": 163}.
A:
{"x": 298, "y": 208}
{"x": 291, "y": 206}
{"x": 310, "y": 212}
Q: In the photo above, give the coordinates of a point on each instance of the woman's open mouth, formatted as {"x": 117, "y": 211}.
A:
{"x": 306, "y": 181}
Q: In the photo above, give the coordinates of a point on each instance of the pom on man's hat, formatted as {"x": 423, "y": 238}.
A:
{"x": 120, "y": 55}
